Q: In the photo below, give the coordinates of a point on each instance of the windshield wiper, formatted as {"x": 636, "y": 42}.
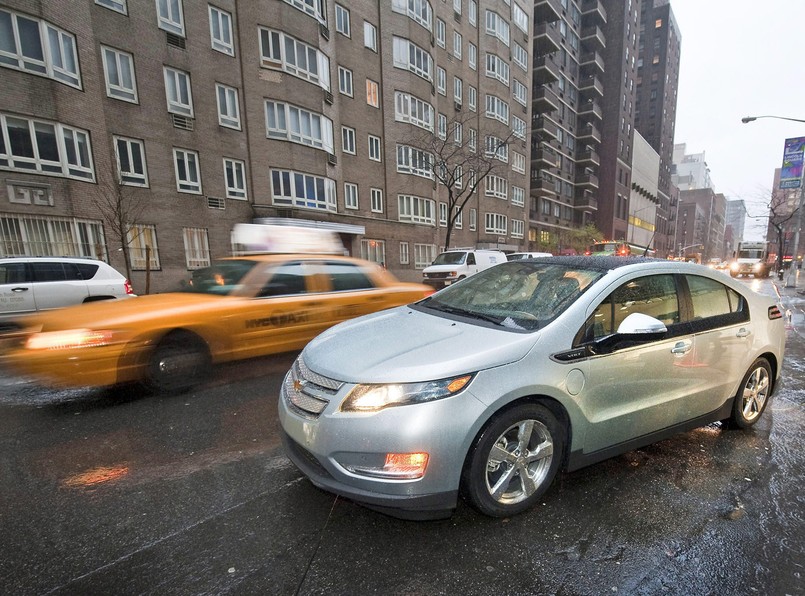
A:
{"x": 467, "y": 313}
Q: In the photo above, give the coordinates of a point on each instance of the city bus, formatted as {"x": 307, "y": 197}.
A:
{"x": 619, "y": 249}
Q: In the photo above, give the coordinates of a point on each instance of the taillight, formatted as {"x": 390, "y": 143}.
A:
{"x": 127, "y": 286}
{"x": 775, "y": 313}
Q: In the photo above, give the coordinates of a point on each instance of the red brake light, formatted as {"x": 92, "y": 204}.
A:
{"x": 127, "y": 286}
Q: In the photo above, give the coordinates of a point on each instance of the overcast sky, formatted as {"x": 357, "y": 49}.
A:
{"x": 741, "y": 58}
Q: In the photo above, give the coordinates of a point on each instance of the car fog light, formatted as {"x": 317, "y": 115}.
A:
{"x": 398, "y": 466}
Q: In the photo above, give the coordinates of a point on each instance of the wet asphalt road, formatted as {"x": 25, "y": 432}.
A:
{"x": 110, "y": 493}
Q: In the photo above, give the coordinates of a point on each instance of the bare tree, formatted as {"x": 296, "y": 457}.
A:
{"x": 461, "y": 161}
{"x": 119, "y": 207}
{"x": 782, "y": 209}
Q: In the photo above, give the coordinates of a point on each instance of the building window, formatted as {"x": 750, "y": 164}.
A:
{"x": 350, "y": 195}
{"x": 370, "y": 36}
{"x": 497, "y": 109}
{"x": 496, "y": 187}
{"x": 519, "y": 127}
{"x": 170, "y": 17}
{"x": 314, "y": 8}
{"x": 345, "y": 81}
{"x": 472, "y": 55}
{"x": 235, "y": 177}
{"x": 221, "y": 31}
{"x": 377, "y": 200}
{"x": 405, "y": 259}
{"x": 519, "y": 92}
{"x": 417, "y": 10}
{"x": 458, "y": 220}
{"x": 441, "y": 33}
{"x": 280, "y": 50}
{"x": 374, "y": 251}
{"x": 658, "y": 24}
{"x": 178, "y": 92}
{"x": 472, "y": 98}
{"x": 116, "y": 5}
{"x": 372, "y": 93}
{"x": 413, "y": 110}
{"x": 413, "y": 209}
{"x": 414, "y": 161}
{"x": 441, "y": 127}
{"x": 142, "y": 241}
{"x": 458, "y": 135}
{"x": 520, "y": 56}
{"x": 473, "y": 10}
{"x": 288, "y": 122}
{"x": 519, "y": 18}
{"x": 497, "y": 68}
{"x": 297, "y": 189}
{"x": 443, "y": 214}
{"x": 38, "y": 47}
{"x": 497, "y": 149}
{"x": 348, "y": 140}
{"x": 497, "y": 26}
{"x": 409, "y": 56}
{"x": 119, "y": 70}
{"x": 424, "y": 255}
{"x": 27, "y": 235}
{"x": 196, "y": 248}
{"x": 441, "y": 80}
{"x": 342, "y": 21}
{"x": 188, "y": 176}
{"x": 473, "y": 142}
{"x": 130, "y": 154}
{"x": 496, "y": 224}
{"x": 473, "y": 219}
{"x": 228, "y": 107}
{"x": 518, "y": 196}
{"x": 518, "y": 228}
{"x": 458, "y": 43}
{"x": 49, "y": 148}
{"x": 518, "y": 162}
{"x": 374, "y": 148}
{"x": 458, "y": 90}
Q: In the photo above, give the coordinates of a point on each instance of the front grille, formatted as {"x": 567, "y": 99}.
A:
{"x": 438, "y": 275}
{"x": 307, "y": 392}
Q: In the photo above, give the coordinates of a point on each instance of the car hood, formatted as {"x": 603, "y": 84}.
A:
{"x": 123, "y": 313}
{"x": 407, "y": 345}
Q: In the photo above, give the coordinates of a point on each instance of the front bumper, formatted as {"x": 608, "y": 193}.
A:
{"x": 328, "y": 447}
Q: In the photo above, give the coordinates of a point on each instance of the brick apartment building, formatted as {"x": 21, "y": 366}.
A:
{"x": 182, "y": 118}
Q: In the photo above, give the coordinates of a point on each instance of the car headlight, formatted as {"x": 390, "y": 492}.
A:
{"x": 372, "y": 398}
{"x": 73, "y": 338}
{"x": 452, "y": 274}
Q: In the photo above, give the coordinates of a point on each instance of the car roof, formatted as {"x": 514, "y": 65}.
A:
{"x": 65, "y": 259}
{"x": 609, "y": 263}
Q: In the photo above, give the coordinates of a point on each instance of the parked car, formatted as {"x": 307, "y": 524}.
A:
{"x": 454, "y": 265}
{"x": 489, "y": 388}
{"x": 516, "y": 256}
{"x": 30, "y": 284}
{"x": 236, "y": 308}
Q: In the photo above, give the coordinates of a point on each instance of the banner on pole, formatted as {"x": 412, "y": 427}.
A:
{"x": 793, "y": 157}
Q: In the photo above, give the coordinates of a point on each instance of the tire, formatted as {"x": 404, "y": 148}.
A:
{"x": 494, "y": 476}
{"x": 753, "y": 395}
{"x": 180, "y": 361}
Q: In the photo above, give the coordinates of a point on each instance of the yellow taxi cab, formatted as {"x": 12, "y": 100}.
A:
{"x": 238, "y": 307}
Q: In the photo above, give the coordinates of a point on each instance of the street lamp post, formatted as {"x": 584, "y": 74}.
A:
{"x": 791, "y": 271}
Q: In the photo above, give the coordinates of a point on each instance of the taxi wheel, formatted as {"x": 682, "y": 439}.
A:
{"x": 514, "y": 460}
{"x": 180, "y": 360}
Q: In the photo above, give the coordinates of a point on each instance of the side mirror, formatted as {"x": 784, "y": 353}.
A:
{"x": 639, "y": 324}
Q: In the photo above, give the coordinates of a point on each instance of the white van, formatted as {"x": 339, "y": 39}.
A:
{"x": 456, "y": 264}
{"x": 517, "y": 256}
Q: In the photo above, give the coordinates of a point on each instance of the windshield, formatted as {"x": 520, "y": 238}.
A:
{"x": 750, "y": 254}
{"x": 519, "y": 295}
{"x": 220, "y": 278}
{"x": 450, "y": 258}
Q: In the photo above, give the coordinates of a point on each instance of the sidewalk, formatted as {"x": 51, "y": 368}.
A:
{"x": 791, "y": 286}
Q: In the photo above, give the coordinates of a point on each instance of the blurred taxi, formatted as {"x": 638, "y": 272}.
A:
{"x": 236, "y": 308}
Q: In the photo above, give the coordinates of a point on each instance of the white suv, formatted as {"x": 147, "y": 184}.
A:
{"x": 29, "y": 284}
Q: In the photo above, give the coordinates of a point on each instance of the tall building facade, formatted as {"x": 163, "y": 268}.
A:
{"x": 174, "y": 120}
{"x": 566, "y": 119}
{"x": 705, "y": 225}
{"x": 689, "y": 170}
{"x": 659, "y": 49}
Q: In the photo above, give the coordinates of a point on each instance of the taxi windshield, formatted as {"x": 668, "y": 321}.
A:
{"x": 518, "y": 295}
{"x": 220, "y": 278}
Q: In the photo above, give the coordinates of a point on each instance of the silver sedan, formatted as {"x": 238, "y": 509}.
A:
{"x": 487, "y": 389}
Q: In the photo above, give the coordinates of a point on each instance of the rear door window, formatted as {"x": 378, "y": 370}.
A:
{"x": 49, "y": 271}
{"x": 288, "y": 279}
{"x": 12, "y": 273}
{"x": 346, "y": 276}
{"x": 714, "y": 304}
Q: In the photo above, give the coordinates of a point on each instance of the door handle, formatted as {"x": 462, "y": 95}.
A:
{"x": 19, "y": 289}
{"x": 682, "y": 347}
{"x": 743, "y": 332}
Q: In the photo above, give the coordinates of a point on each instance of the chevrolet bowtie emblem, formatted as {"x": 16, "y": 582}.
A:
{"x": 297, "y": 385}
